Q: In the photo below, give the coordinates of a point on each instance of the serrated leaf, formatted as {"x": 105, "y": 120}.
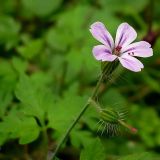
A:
{"x": 35, "y": 100}
{"x": 27, "y": 94}
{"x": 93, "y": 151}
{"x": 16, "y": 125}
{"x": 79, "y": 138}
{"x": 65, "y": 111}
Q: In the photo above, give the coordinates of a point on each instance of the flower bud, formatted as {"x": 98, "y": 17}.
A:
{"x": 109, "y": 116}
{"x": 113, "y": 118}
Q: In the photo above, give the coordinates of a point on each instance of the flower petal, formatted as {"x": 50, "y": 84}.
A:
{"x": 131, "y": 63}
{"x": 109, "y": 57}
{"x": 101, "y": 52}
{"x": 100, "y": 33}
{"x": 125, "y": 35}
{"x": 139, "y": 49}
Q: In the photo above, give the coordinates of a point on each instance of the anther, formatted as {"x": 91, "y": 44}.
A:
{"x": 118, "y": 48}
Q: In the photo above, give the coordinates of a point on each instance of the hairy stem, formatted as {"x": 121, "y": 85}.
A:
{"x": 105, "y": 72}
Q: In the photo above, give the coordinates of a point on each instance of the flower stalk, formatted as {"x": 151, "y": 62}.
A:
{"x": 106, "y": 72}
{"x": 121, "y": 50}
{"x": 132, "y": 129}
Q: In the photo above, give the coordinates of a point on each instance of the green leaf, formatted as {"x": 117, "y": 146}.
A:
{"x": 29, "y": 130}
{"x": 139, "y": 156}
{"x": 6, "y": 98}
{"x": 58, "y": 39}
{"x": 146, "y": 131}
{"x": 27, "y": 94}
{"x": 41, "y": 7}
{"x": 19, "y": 126}
{"x": 151, "y": 82}
{"x": 7, "y": 6}
{"x": 3, "y": 138}
{"x": 93, "y": 151}
{"x": 66, "y": 33}
{"x": 36, "y": 101}
{"x": 79, "y": 138}
{"x": 125, "y": 5}
{"x": 7, "y": 85}
{"x": 65, "y": 110}
{"x": 19, "y": 64}
{"x": 31, "y": 49}
{"x": 110, "y": 100}
{"x": 42, "y": 79}
{"x": 9, "y": 31}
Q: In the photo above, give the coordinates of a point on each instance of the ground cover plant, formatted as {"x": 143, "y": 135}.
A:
{"x": 79, "y": 80}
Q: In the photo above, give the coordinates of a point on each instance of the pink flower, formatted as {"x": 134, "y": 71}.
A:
{"x": 121, "y": 49}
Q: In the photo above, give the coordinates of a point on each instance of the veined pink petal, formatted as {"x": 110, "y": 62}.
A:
{"x": 109, "y": 57}
{"x": 131, "y": 63}
{"x": 100, "y": 33}
{"x": 101, "y": 52}
{"x": 139, "y": 49}
{"x": 125, "y": 35}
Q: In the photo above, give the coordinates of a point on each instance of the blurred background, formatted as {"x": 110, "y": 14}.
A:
{"x": 47, "y": 71}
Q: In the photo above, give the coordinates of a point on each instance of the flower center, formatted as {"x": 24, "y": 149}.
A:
{"x": 117, "y": 50}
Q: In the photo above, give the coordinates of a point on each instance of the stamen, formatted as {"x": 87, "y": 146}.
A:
{"x": 117, "y": 50}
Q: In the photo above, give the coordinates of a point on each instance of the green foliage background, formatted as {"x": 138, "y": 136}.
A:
{"x": 47, "y": 72}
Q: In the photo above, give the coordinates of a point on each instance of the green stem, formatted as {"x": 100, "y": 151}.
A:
{"x": 45, "y": 138}
{"x": 77, "y": 118}
{"x": 94, "y": 94}
{"x": 69, "y": 130}
{"x": 95, "y": 105}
